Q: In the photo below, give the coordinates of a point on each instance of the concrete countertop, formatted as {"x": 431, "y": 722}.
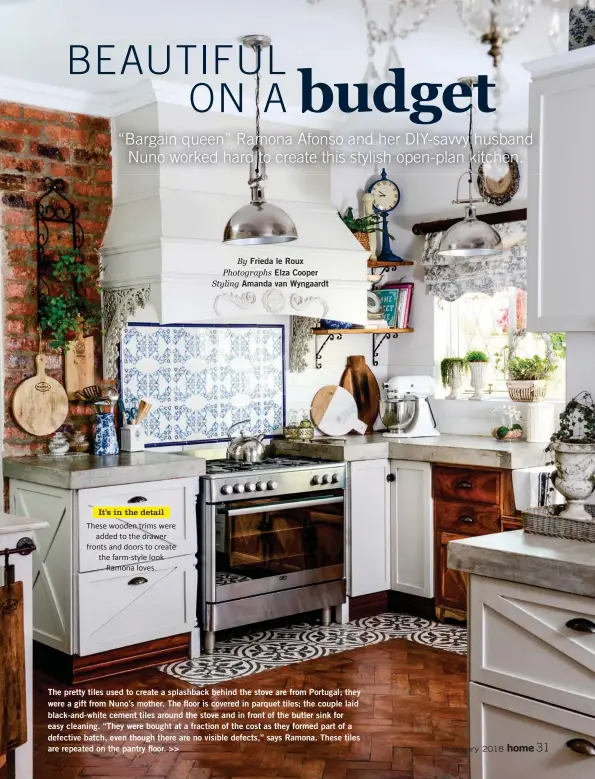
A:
{"x": 448, "y": 449}
{"x": 516, "y": 556}
{"x": 78, "y": 473}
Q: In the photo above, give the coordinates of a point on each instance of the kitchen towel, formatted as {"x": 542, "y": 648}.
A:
{"x": 533, "y": 487}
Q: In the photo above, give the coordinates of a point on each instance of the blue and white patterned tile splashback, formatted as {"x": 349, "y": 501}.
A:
{"x": 201, "y": 379}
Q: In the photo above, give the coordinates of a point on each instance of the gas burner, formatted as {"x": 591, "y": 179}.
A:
{"x": 270, "y": 463}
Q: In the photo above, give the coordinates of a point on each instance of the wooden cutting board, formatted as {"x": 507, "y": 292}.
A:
{"x": 13, "y": 700}
{"x": 334, "y": 411}
{"x": 79, "y": 365}
{"x": 359, "y": 380}
{"x": 40, "y": 404}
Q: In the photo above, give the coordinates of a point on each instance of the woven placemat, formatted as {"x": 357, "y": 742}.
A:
{"x": 545, "y": 521}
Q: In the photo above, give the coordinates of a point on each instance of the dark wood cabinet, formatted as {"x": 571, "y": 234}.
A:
{"x": 467, "y": 502}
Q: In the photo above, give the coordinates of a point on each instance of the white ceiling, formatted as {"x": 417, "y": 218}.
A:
{"x": 329, "y": 37}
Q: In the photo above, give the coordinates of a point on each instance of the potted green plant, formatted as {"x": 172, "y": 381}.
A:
{"x": 573, "y": 445}
{"x": 361, "y": 226}
{"x": 452, "y": 370}
{"x": 477, "y": 362}
{"x": 527, "y": 377}
{"x": 65, "y": 306}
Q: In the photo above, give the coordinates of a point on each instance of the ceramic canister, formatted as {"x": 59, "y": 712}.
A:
{"x": 106, "y": 440}
{"x": 539, "y": 422}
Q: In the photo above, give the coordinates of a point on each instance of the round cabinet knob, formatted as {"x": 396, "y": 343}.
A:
{"x": 238, "y": 488}
{"x": 335, "y": 478}
{"x": 261, "y": 486}
{"x": 315, "y": 480}
{"x": 250, "y": 486}
{"x": 226, "y": 489}
{"x": 325, "y": 479}
{"x": 272, "y": 485}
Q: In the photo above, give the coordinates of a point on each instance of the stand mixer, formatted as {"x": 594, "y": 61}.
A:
{"x": 406, "y": 412}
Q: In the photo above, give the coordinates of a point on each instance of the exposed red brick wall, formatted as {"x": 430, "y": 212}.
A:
{"x": 36, "y": 143}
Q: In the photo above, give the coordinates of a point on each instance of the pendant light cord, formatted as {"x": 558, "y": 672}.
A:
{"x": 257, "y": 149}
{"x": 471, "y": 151}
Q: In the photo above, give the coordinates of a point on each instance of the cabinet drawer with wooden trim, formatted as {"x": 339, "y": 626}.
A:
{"x": 467, "y": 518}
{"x": 120, "y": 608}
{"x": 512, "y": 737}
{"x": 553, "y": 635}
{"x": 467, "y": 484}
{"x": 168, "y": 537}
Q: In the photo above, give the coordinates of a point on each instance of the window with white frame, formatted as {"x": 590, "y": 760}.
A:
{"x": 490, "y": 324}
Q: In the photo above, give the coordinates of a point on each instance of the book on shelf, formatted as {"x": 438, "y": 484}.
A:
{"x": 396, "y": 303}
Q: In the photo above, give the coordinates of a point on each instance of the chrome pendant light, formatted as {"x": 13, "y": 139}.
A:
{"x": 470, "y": 237}
{"x": 258, "y": 222}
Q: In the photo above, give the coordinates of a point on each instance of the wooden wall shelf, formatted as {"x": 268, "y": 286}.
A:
{"x": 384, "y": 332}
{"x": 395, "y": 265}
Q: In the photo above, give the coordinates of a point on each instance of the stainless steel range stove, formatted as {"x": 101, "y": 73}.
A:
{"x": 272, "y": 541}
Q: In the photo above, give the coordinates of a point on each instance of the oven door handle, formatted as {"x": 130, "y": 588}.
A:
{"x": 290, "y": 504}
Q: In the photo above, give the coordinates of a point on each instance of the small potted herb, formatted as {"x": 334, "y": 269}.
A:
{"x": 452, "y": 370}
{"x": 477, "y": 362}
{"x": 362, "y": 226}
{"x": 573, "y": 445}
{"x": 527, "y": 377}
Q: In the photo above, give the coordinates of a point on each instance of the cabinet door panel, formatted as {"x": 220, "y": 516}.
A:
{"x": 369, "y": 523}
{"x": 451, "y": 586}
{"x": 412, "y": 529}
{"x": 517, "y": 738}
{"x": 560, "y": 268}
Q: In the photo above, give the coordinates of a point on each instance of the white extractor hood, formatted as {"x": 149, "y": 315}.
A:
{"x": 166, "y": 229}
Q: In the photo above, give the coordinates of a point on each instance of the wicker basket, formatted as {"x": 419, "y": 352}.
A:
{"x": 527, "y": 391}
{"x": 544, "y": 521}
{"x": 364, "y": 239}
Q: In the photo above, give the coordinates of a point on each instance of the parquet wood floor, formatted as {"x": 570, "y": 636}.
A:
{"x": 412, "y": 724}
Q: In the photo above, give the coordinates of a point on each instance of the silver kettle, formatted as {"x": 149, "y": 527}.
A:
{"x": 246, "y": 449}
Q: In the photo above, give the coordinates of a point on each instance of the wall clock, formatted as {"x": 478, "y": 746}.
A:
{"x": 386, "y": 197}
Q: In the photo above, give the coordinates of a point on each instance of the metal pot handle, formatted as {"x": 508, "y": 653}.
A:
{"x": 235, "y": 424}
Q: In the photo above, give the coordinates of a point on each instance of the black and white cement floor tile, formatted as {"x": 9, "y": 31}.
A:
{"x": 262, "y": 650}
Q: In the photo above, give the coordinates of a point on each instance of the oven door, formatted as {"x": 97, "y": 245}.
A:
{"x": 267, "y": 545}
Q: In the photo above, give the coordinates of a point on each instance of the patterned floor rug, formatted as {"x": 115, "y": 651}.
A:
{"x": 263, "y": 650}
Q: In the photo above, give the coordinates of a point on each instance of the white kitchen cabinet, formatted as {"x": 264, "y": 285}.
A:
{"x": 368, "y": 527}
{"x": 512, "y": 737}
{"x": 412, "y": 529}
{"x": 551, "y": 661}
{"x": 561, "y": 196}
{"x": 80, "y": 606}
{"x": 120, "y": 608}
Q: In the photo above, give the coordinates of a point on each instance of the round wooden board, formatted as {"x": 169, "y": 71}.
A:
{"x": 40, "y": 404}
{"x": 334, "y": 411}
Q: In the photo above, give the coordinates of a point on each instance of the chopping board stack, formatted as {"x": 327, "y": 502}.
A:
{"x": 359, "y": 380}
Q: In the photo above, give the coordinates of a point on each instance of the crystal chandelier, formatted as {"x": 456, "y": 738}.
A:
{"x": 395, "y": 26}
{"x": 495, "y": 22}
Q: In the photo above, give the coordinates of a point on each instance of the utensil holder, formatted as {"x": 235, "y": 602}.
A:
{"x": 132, "y": 438}
{"x": 106, "y": 440}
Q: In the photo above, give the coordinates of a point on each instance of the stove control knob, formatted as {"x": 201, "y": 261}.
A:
{"x": 250, "y": 486}
{"x": 335, "y": 478}
{"x": 325, "y": 478}
{"x": 315, "y": 480}
{"x": 238, "y": 488}
{"x": 272, "y": 485}
{"x": 261, "y": 486}
{"x": 226, "y": 489}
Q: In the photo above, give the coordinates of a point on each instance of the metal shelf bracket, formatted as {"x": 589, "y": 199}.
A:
{"x": 376, "y": 344}
{"x": 332, "y": 337}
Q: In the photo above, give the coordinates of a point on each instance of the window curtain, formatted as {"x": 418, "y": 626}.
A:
{"x": 448, "y": 278}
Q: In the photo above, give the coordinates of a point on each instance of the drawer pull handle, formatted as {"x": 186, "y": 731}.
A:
{"x": 464, "y": 485}
{"x": 138, "y": 580}
{"x": 138, "y": 499}
{"x": 581, "y": 625}
{"x": 467, "y": 519}
{"x": 581, "y": 746}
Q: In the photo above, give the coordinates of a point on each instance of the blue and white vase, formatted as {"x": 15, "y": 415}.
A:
{"x": 106, "y": 440}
